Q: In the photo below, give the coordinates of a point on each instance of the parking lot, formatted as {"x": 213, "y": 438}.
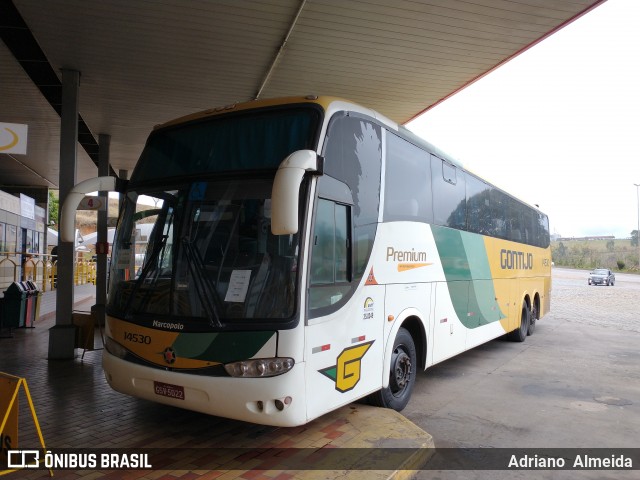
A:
{"x": 574, "y": 383}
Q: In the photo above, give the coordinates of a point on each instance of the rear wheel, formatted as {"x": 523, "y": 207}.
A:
{"x": 520, "y": 333}
{"x": 533, "y": 316}
{"x": 402, "y": 374}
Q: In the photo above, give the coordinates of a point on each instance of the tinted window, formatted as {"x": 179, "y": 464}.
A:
{"x": 514, "y": 221}
{"x": 498, "y": 202}
{"x": 330, "y": 255}
{"x": 543, "y": 231}
{"x": 528, "y": 225}
{"x": 407, "y": 193}
{"x": 448, "y": 186}
{"x": 245, "y": 141}
{"x": 353, "y": 155}
{"x": 323, "y": 258}
{"x": 478, "y": 205}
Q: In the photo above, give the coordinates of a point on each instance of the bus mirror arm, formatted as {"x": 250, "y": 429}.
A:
{"x": 73, "y": 199}
{"x": 286, "y": 188}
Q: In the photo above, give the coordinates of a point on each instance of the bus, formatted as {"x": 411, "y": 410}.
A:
{"x": 305, "y": 253}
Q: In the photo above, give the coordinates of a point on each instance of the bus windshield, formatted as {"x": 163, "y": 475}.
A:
{"x": 203, "y": 254}
{"x": 194, "y": 242}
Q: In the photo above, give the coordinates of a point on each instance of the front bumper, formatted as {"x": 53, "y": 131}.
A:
{"x": 248, "y": 399}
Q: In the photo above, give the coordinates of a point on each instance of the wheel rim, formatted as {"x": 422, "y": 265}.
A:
{"x": 400, "y": 370}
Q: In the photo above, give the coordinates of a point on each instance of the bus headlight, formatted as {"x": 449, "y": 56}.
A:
{"x": 260, "y": 367}
{"x": 114, "y": 348}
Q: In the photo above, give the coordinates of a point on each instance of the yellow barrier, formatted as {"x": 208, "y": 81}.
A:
{"x": 42, "y": 269}
{"x": 9, "y": 389}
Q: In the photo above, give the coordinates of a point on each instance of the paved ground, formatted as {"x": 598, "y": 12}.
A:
{"x": 574, "y": 383}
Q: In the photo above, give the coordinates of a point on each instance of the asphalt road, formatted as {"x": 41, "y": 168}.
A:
{"x": 574, "y": 383}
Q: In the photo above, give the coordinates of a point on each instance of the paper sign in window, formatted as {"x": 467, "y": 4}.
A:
{"x": 238, "y": 286}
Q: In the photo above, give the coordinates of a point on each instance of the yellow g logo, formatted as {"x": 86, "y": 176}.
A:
{"x": 346, "y": 373}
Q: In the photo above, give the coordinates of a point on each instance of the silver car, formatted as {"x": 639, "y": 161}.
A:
{"x": 602, "y": 276}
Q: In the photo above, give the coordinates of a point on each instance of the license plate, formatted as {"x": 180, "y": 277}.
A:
{"x": 169, "y": 390}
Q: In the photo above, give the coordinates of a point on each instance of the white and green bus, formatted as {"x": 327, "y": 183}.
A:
{"x": 305, "y": 253}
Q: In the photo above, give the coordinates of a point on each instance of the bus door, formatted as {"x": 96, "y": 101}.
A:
{"x": 343, "y": 336}
{"x": 450, "y": 315}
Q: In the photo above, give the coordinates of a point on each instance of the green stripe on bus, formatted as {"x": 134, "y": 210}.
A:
{"x": 466, "y": 269}
{"x": 221, "y": 347}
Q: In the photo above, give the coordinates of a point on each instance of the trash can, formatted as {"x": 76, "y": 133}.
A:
{"x": 14, "y": 306}
{"x": 38, "y": 299}
{"x": 29, "y": 304}
{"x": 33, "y": 304}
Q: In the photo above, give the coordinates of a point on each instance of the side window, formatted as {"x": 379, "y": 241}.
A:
{"x": 479, "y": 219}
{"x": 499, "y": 202}
{"x": 449, "y": 203}
{"x": 528, "y": 225}
{"x": 353, "y": 155}
{"x": 514, "y": 222}
{"x": 330, "y": 255}
{"x": 543, "y": 231}
{"x": 407, "y": 191}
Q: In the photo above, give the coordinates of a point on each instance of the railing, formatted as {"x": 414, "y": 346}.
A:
{"x": 41, "y": 268}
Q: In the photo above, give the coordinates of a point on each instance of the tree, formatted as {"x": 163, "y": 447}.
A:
{"x": 54, "y": 204}
{"x": 610, "y": 245}
{"x": 634, "y": 238}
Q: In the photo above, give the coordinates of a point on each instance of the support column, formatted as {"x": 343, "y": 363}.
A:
{"x": 122, "y": 175}
{"x": 62, "y": 335}
{"x": 99, "y": 308}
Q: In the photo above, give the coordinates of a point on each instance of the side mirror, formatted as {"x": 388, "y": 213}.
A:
{"x": 73, "y": 199}
{"x": 286, "y": 187}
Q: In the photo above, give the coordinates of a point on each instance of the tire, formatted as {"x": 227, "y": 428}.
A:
{"x": 402, "y": 375}
{"x": 520, "y": 333}
{"x": 533, "y": 317}
{"x": 611, "y": 283}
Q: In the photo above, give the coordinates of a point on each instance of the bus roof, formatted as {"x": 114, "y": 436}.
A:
{"x": 325, "y": 103}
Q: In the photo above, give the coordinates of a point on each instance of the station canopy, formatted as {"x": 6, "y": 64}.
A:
{"x": 143, "y": 62}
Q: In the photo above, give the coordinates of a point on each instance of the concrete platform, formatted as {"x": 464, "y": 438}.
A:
{"x": 78, "y": 412}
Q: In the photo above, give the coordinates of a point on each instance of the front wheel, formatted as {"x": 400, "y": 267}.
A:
{"x": 402, "y": 374}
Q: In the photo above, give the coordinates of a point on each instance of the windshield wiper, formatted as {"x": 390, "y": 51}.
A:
{"x": 144, "y": 273}
{"x": 204, "y": 288}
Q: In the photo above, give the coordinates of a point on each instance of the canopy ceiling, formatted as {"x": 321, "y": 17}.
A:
{"x": 143, "y": 62}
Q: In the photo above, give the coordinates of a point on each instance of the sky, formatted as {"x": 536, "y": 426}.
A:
{"x": 559, "y": 125}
